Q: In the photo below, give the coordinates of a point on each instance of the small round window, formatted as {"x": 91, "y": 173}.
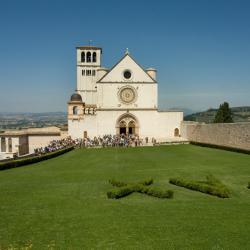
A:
{"x": 127, "y": 74}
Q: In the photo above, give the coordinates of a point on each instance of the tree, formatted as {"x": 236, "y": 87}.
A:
{"x": 224, "y": 114}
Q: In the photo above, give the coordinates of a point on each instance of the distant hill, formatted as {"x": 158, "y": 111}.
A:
{"x": 186, "y": 111}
{"x": 240, "y": 114}
{"x": 29, "y": 120}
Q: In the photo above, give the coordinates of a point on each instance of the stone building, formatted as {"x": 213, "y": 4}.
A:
{"x": 22, "y": 142}
{"x": 120, "y": 100}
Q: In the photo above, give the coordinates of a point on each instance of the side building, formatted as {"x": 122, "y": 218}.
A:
{"x": 23, "y": 142}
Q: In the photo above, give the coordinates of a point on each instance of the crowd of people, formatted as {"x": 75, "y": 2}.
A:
{"x": 122, "y": 140}
{"x": 57, "y": 145}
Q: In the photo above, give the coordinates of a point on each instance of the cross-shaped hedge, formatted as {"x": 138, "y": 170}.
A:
{"x": 123, "y": 189}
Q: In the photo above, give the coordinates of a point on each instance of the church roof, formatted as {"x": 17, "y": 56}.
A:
{"x": 126, "y": 55}
{"x": 89, "y": 47}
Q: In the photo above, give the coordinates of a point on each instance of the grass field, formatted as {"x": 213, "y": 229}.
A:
{"x": 61, "y": 203}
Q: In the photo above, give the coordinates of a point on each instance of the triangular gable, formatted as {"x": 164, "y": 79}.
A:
{"x": 127, "y": 63}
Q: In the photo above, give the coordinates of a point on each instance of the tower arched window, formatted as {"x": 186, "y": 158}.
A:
{"x": 94, "y": 57}
{"x": 83, "y": 57}
{"x": 88, "y": 57}
{"x": 75, "y": 110}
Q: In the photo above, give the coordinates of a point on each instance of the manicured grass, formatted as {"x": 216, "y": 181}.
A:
{"x": 62, "y": 202}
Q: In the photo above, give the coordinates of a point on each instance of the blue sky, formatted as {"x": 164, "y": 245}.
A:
{"x": 201, "y": 49}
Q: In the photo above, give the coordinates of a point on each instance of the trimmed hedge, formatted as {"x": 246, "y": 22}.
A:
{"x": 237, "y": 150}
{"x": 122, "y": 184}
{"x": 212, "y": 186}
{"x": 34, "y": 159}
{"x": 140, "y": 187}
{"x": 120, "y": 192}
{"x": 157, "y": 192}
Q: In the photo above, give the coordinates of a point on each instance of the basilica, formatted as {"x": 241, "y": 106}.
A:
{"x": 119, "y": 100}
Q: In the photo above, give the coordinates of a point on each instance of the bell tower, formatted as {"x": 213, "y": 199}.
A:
{"x": 88, "y": 62}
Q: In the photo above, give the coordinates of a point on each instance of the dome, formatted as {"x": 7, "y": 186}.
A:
{"x": 76, "y": 98}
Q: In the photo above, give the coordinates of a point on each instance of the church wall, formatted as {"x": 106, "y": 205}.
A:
{"x": 108, "y": 96}
{"x": 88, "y": 97}
{"x": 224, "y": 134}
{"x": 86, "y": 86}
{"x": 107, "y": 121}
{"x": 102, "y": 123}
{"x": 160, "y": 125}
{"x": 85, "y": 82}
{"x": 167, "y": 123}
{"x": 76, "y": 128}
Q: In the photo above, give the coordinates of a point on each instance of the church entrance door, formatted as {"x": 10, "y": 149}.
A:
{"x": 123, "y": 127}
{"x": 122, "y": 131}
{"x": 127, "y": 124}
{"x": 131, "y": 128}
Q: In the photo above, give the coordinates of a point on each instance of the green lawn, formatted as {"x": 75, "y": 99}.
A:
{"x": 62, "y": 202}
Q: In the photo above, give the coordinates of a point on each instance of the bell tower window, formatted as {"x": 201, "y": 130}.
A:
{"x": 94, "y": 57}
{"x": 88, "y": 57}
{"x": 83, "y": 57}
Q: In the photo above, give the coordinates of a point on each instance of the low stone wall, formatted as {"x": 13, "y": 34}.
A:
{"x": 235, "y": 135}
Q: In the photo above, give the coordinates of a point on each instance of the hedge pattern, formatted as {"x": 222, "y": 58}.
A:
{"x": 116, "y": 183}
{"x": 34, "y": 159}
{"x": 123, "y": 189}
{"x": 238, "y": 150}
{"x": 211, "y": 186}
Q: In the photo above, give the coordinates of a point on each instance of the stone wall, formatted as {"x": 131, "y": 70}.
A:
{"x": 235, "y": 135}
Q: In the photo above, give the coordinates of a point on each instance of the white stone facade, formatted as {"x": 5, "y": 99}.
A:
{"x": 123, "y": 99}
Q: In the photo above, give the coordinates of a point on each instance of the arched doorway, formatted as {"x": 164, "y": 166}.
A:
{"x": 176, "y": 132}
{"x": 131, "y": 128}
{"x": 122, "y": 127}
{"x": 127, "y": 124}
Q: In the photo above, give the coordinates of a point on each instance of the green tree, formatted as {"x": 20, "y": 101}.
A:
{"x": 224, "y": 114}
